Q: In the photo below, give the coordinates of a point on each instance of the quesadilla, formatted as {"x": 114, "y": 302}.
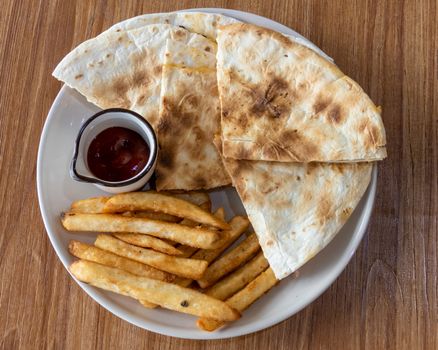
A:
{"x": 206, "y": 24}
{"x": 283, "y": 102}
{"x": 189, "y": 119}
{"x": 297, "y": 209}
{"x": 196, "y": 22}
{"x": 123, "y": 69}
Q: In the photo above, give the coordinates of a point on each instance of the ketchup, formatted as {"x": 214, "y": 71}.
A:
{"x": 117, "y": 154}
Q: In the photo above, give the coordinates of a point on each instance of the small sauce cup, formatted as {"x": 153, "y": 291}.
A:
{"x": 114, "y": 117}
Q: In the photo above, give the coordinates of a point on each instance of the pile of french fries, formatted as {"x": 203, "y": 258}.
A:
{"x": 169, "y": 250}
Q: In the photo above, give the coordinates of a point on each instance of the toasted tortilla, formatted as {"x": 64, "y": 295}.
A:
{"x": 189, "y": 119}
{"x": 123, "y": 68}
{"x": 206, "y": 24}
{"x": 297, "y": 209}
{"x": 283, "y": 102}
{"x": 196, "y": 22}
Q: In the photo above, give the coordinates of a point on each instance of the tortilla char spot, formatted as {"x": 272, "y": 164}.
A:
{"x": 141, "y": 100}
{"x": 311, "y": 167}
{"x": 243, "y": 120}
{"x": 157, "y": 70}
{"x": 289, "y": 136}
{"x": 207, "y": 48}
{"x": 298, "y": 178}
{"x": 166, "y": 158}
{"x": 347, "y": 210}
{"x": 361, "y": 127}
{"x": 373, "y": 133}
{"x": 320, "y": 105}
{"x": 140, "y": 78}
{"x": 273, "y": 100}
{"x": 239, "y": 167}
{"x": 323, "y": 209}
{"x": 268, "y": 187}
{"x": 269, "y": 242}
{"x": 272, "y": 151}
{"x": 120, "y": 39}
{"x": 199, "y": 134}
{"x": 335, "y": 114}
{"x": 179, "y": 33}
{"x": 192, "y": 101}
{"x": 242, "y": 152}
{"x": 174, "y": 112}
{"x": 120, "y": 86}
{"x": 118, "y": 30}
{"x": 108, "y": 55}
{"x": 199, "y": 182}
{"x": 79, "y": 76}
{"x": 338, "y": 167}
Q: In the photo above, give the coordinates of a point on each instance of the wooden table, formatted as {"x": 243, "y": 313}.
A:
{"x": 387, "y": 296}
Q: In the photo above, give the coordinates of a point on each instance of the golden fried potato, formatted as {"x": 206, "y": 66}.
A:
{"x": 243, "y": 299}
{"x": 165, "y": 294}
{"x": 239, "y": 224}
{"x": 239, "y": 278}
{"x": 91, "y": 253}
{"x": 230, "y": 261}
{"x": 193, "y": 236}
{"x": 144, "y": 201}
{"x": 90, "y": 205}
{"x": 183, "y": 267}
{"x": 147, "y": 241}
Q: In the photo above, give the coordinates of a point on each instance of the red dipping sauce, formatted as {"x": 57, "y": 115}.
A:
{"x": 117, "y": 154}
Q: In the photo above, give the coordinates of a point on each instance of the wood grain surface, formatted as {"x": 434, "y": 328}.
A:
{"x": 387, "y": 296}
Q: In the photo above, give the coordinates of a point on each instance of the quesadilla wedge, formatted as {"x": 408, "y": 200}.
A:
{"x": 297, "y": 209}
{"x": 206, "y": 24}
{"x": 196, "y": 22}
{"x": 189, "y": 119}
{"x": 123, "y": 69}
{"x": 283, "y": 102}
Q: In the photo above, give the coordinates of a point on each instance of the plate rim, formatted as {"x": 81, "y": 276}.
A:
{"x": 170, "y": 330}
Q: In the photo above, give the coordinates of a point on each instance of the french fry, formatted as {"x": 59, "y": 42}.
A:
{"x": 152, "y": 216}
{"x": 90, "y": 205}
{"x": 238, "y": 224}
{"x": 183, "y": 267}
{"x": 205, "y": 206}
{"x": 165, "y": 294}
{"x": 239, "y": 278}
{"x": 152, "y": 201}
{"x": 147, "y": 304}
{"x": 147, "y": 241}
{"x": 97, "y": 204}
{"x": 192, "y": 236}
{"x": 220, "y": 213}
{"x": 230, "y": 261}
{"x": 243, "y": 299}
{"x": 91, "y": 253}
{"x": 188, "y": 251}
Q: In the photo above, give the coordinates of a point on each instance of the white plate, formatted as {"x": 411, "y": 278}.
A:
{"x": 56, "y": 191}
